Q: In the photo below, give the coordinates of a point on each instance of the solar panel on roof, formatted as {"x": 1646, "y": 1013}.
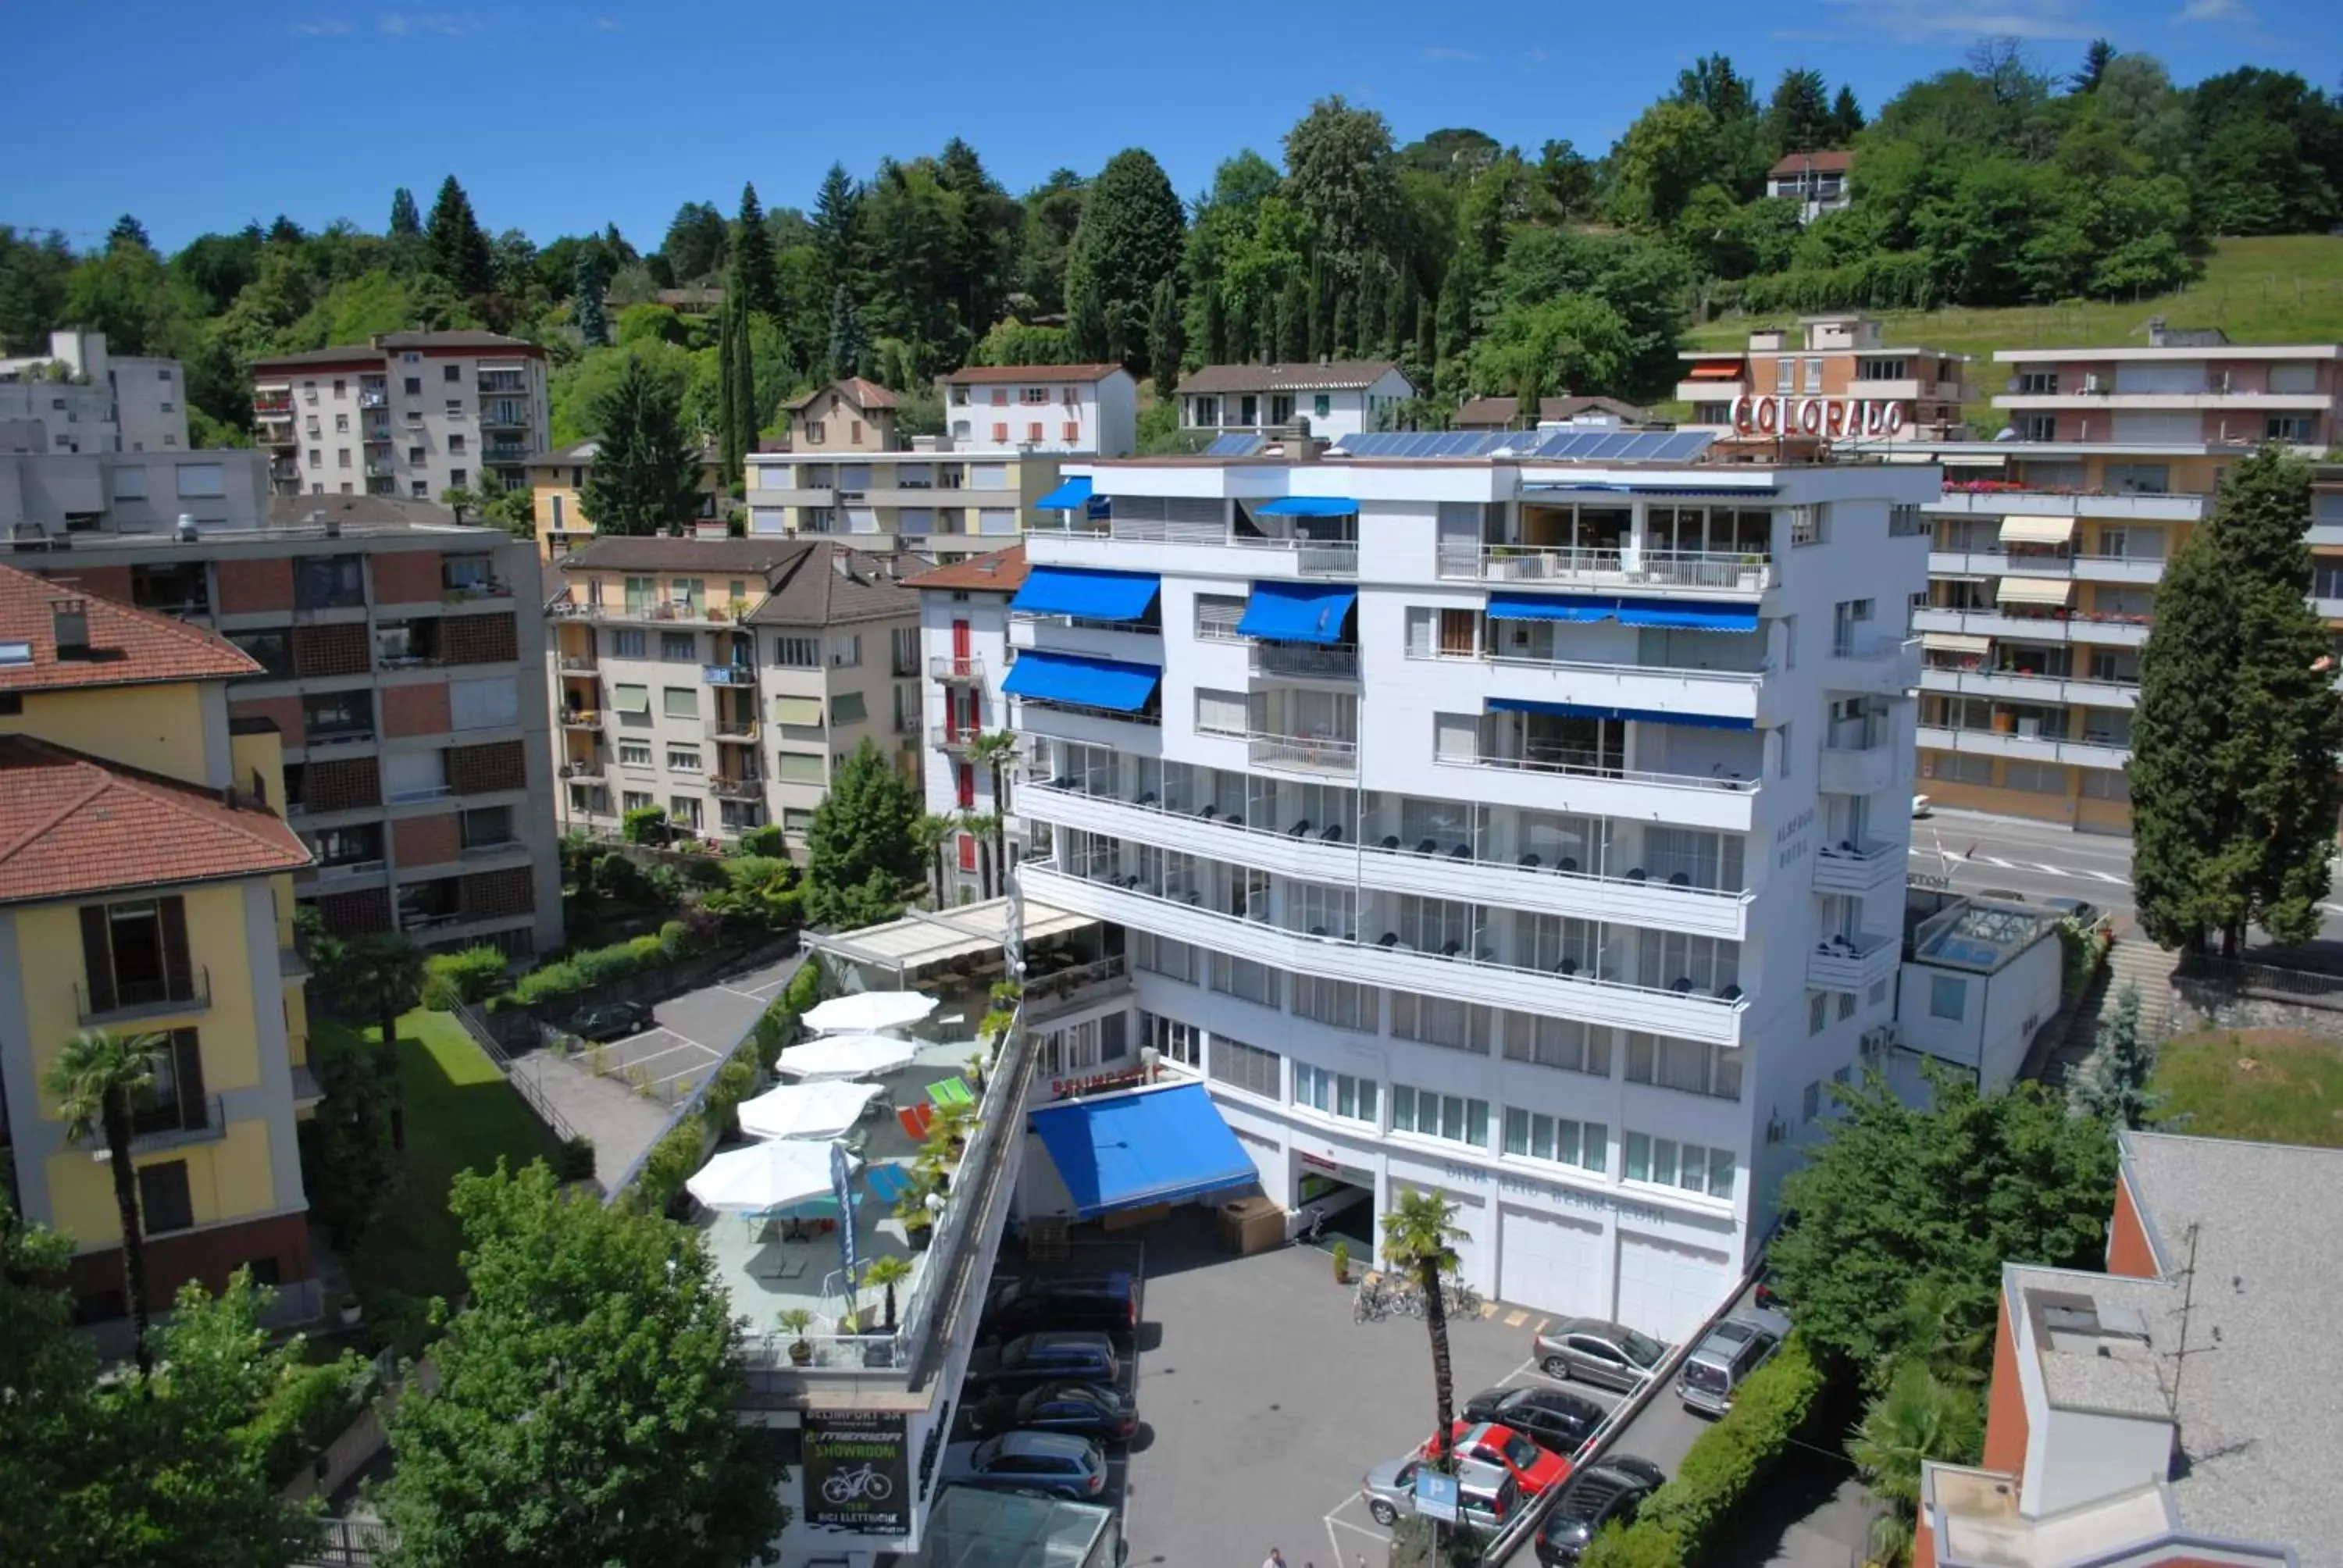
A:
{"x": 1233, "y": 445}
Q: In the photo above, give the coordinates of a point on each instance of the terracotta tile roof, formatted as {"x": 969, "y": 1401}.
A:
{"x": 1822, "y": 163}
{"x": 979, "y": 374}
{"x": 72, "y": 825}
{"x": 128, "y": 647}
{"x": 854, "y": 389}
{"x": 1339, "y": 375}
{"x": 1002, "y": 571}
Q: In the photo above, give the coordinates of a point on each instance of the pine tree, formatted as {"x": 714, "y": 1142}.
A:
{"x": 2096, "y": 61}
{"x": 1293, "y": 311}
{"x": 836, "y": 207}
{"x": 646, "y": 474}
{"x": 460, "y": 251}
{"x": 2233, "y": 784}
{"x": 1846, "y": 117}
{"x": 587, "y": 283}
{"x": 2112, "y": 1082}
{"x": 848, "y": 345}
{"x": 127, "y": 231}
{"x": 1163, "y": 345}
{"x": 404, "y": 220}
{"x": 753, "y": 277}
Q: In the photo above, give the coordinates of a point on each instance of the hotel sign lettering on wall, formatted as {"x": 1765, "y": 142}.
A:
{"x": 1831, "y": 419}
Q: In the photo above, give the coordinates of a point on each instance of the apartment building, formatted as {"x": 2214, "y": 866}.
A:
{"x": 147, "y": 888}
{"x": 1817, "y": 181}
{"x": 1837, "y": 376}
{"x": 2160, "y": 1412}
{"x": 1338, "y": 396}
{"x": 85, "y": 398}
{"x": 721, "y": 680}
{"x": 400, "y": 657}
{"x": 556, "y": 482}
{"x": 2191, "y": 385}
{"x": 964, "y": 650}
{"x": 1091, "y": 409}
{"x": 945, "y": 497}
{"x": 1505, "y": 413}
{"x": 404, "y": 414}
{"x": 1532, "y": 827}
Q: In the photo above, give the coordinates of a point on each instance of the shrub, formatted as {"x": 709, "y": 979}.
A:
{"x": 1642, "y": 1545}
{"x": 1728, "y": 1458}
{"x": 763, "y": 842}
{"x": 575, "y": 1159}
{"x": 667, "y": 1167}
{"x": 619, "y": 881}
{"x": 644, "y": 825}
{"x": 398, "y": 1321}
{"x": 804, "y": 990}
{"x": 473, "y": 975}
{"x": 676, "y": 942}
{"x": 307, "y": 1411}
{"x": 776, "y": 1027}
{"x": 549, "y": 983}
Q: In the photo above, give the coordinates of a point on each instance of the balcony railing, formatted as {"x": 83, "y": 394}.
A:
{"x": 1312, "y": 558}
{"x": 949, "y": 737}
{"x": 581, "y": 719}
{"x": 1557, "y": 759}
{"x": 727, "y": 675}
{"x": 564, "y": 608}
{"x": 725, "y": 788}
{"x": 374, "y": 397}
{"x": 1306, "y": 661}
{"x": 590, "y": 769}
{"x": 1714, "y": 572}
{"x": 272, "y": 408}
{"x": 1306, "y": 753}
{"x": 948, "y": 666}
{"x": 579, "y": 664}
{"x": 205, "y": 1121}
{"x": 189, "y": 992}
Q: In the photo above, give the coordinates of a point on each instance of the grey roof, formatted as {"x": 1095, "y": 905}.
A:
{"x": 668, "y": 552}
{"x": 1498, "y": 413}
{"x": 292, "y": 511}
{"x": 833, "y": 586}
{"x": 390, "y": 343}
{"x": 1338, "y": 375}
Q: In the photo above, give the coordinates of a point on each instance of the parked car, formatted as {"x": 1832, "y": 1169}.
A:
{"x": 2082, "y": 911}
{"x": 1590, "y": 1349}
{"x": 1595, "y": 1496}
{"x": 1030, "y": 1360}
{"x": 1105, "y": 1303}
{"x": 1727, "y": 1355}
{"x": 1485, "y": 1497}
{"x": 1534, "y": 1468}
{"x": 1049, "y": 1461}
{"x": 2001, "y": 895}
{"x": 1076, "y": 1408}
{"x": 612, "y": 1020}
{"x": 1551, "y": 1417}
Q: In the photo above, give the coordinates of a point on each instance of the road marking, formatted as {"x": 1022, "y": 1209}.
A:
{"x": 1515, "y": 1320}
{"x": 743, "y": 995}
{"x": 1970, "y": 858}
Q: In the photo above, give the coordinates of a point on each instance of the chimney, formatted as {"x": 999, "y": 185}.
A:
{"x": 2156, "y": 332}
{"x": 375, "y": 340}
{"x": 72, "y": 624}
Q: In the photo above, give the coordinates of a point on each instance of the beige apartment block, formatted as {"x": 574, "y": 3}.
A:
{"x": 722, "y": 680}
{"x": 849, "y": 415}
{"x": 942, "y": 499}
{"x": 84, "y": 398}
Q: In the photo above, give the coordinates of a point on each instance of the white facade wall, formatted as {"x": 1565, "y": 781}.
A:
{"x": 111, "y": 403}
{"x": 2000, "y": 1011}
{"x": 950, "y": 675}
{"x": 1096, "y": 418}
{"x": 1543, "y": 1233}
{"x": 1332, "y": 412}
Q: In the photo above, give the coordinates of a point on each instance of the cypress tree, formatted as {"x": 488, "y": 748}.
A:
{"x": 1294, "y": 313}
{"x": 1163, "y": 345}
{"x": 404, "y": 220}
{"x": 1344, "y": 341}
{"x": 1216, "y": 327}
{"x": 847, "y": 347}
{"x": 1374, "y": 313}
{"x": 1529, "y": 391}
{"x": 1316, "y": 345}
{"x": 586, "y": 300}
{"x": 752, "y": 258}
{"x": 1405, "y": 311}
{"x": 1238, "y": 341}
{"x": 2233, "y": 784}
{"x": 1455, "y": 313}
{"x": 728, "y": 408}
{"x": 746, "y": 416}
{"x": 1089, "y": 330}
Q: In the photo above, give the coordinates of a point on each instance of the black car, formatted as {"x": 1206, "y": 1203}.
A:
{"x": 1082, "y": 1410}
{"x": 1031, "y": 1360}
{"x": 1105, "y": 1303}
{"x": 612, "y": 1020}
{"x": 1554, "y": 1419}
{"x": 1590, "y": 1499}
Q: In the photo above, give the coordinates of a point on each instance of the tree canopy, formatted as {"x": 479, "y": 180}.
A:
{"x": 646, "y": 474}
{"x": 861, "y": 848}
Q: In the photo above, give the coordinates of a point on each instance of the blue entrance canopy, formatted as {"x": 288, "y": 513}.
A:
{"x": 1087, "y": 595}
{"x": 1297, "y": 612}
{"x": 1082, "y": 681}
{"x": 1627, "y": 611}
{"x": 1306, "y": 507}
{"x": 1634, "y": 715}
{"x": 1132, "y": 1149}
{"x": 1069, "y": 496}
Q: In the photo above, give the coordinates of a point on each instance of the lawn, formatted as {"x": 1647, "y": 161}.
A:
{"x": 460, "y": 1114}
{"x": 2281, "y": 289}
{"x": 2272, "y": 1085}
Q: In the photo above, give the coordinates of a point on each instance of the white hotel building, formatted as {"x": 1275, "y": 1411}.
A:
{"x": 1530, "y": 826}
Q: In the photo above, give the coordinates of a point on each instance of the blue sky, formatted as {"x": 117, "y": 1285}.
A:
{"x": 559, "y": 117}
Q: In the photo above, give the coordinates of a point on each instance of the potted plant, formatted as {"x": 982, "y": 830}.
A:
{"x": 795, "y": 1321}
{"x": 919, "y": 1225}
{"x": 976, "y": 1073}
{"x": 952, "y": 1127}
{"x": 1342, "y": 1262}
{"x": 885, "y": 1274}
{"x": 351, "y": 1309}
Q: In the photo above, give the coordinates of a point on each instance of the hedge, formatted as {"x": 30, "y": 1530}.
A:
{"x": 473, "y": 975}
{"x": 1680, "y": 1521}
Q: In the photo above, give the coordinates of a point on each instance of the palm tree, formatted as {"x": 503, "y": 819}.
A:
{"x": 383, "y": 975}
{"x": 886, "y": 1273}
{"x": 1420, "y": 1237}
{"x": 996, "y": 750}
{"x": 987, "y": 830}
{"x": 928, "y": 836}
{"x": 1919, "y": 1418}
{"x": 99, "y": 1080}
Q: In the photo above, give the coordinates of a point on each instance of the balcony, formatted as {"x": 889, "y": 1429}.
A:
{"x": 579, "y": 664}
{"x": 1097, "y": 726}
{"x": 205, "y": 1121}
{"x": 2023, "y": 686}
{"x": 589, "y": 768}
{"x": 329, "y": 873}
{"x": 505, "y": 452}
{"x": 1669, "y": 571}
{"x": 950, "y": 667}
{"x": 1876, "y": 666}
{"x": 380, "y": 471}
{"x": 160, "y": 997}
{"x": 1865, "y": 869}
{"x": 1076, "y": 539}
{"x": 374, "y": 397}
{"x": 565, "y": 608}
{"x": 725, "y": 788}
{"x": 727, "y": 675}
{"x": 1304, "y": 753}
{"x": 1677, "y": 1009}
{"x": 2085, "y": 566}
{"x": 734, "y": 731}
{"x": 1858, "y": 763}
{"x": 951, "y": 739}
{"x": 272, "y": 407}
{"x": 1305, "y": 661}
{"x": 2008, "y": 499}
{"x": 581, "y": 719}
{"x": 2100, "y": 750}
{"x": 1594, "y": 786}
{"x": 1520, "y": 672}
{"x": 1853, "y": 964}
{"x": 2074, "y": 626}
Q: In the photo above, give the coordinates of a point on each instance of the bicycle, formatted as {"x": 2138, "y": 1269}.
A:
{"x": 1371, "y": 1304}
{"x": 849, "y": 1485}
{"x": 1460, "y": 1300}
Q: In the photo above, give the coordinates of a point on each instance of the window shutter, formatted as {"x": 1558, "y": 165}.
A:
{"x": 187, "y": 1064}
{"x": 97, "y": 957}
{"x": 178, "y": 973}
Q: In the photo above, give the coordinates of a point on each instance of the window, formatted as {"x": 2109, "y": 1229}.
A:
{"x": 413, "y": 385}
{"x": 1455, "y": 737}
{"x": 1220, "y": 712}
{"x": 634, "y": 753}
{"x": 414, "y": 455}
{"x": 1814, "y": 383}
{"x": 797, "y": 820}
{"x": 1217, "y": 615}
{"x": 2290, "y": 427}
{"x": 847, "y": 708}
{"x": 129, "y": 484}
{"x": 2035, "y": 383}
{"x": 455, "y": 408}
{"x": 1440, "y": 1020}
{"x": 1817, "y": 1011}
{"x": 1810, "y": 525}
{"x": 628, "y": 644}
{"x": 485, "y": 827}
{"x": 634, "y": 800}
{"x": 1335, "y": 1093}
{"x": 457, "y": 476}
{"x": 2035, "y": 778}
{"x": 627, "y": 698}
{"x": 342, "y": 458}
{"x": 1321, "y": 405}
{"x": 208, "y": 481}
{"x": 2037, "y": 426}
{"x": 1665, "y": 1163}
{"x": 797, "y": 653}
{"x": 341, "y": 424}
{"x": 451, "y": 373}
{"x": 1173, "y": 1040}
{"x": 1810, "y": 1104}
{"x": 165, "y": 1204}
{"x": 456, "y": 444}
{"x": 1344, "y": 1004}
{"x": 2106, "y": 784}
{"x": 1692, "y": 1066}
{"x": 1785, "y": 375}
{"x": 679, "y": 647}
{"x": 1450, "y": 1118}
{"x": 1558, "y": 1042}
{"x": 683, "y": 810}
{"x": 846, "y": 653}
{"x": 1162, "y": 956}
{"x": 1533, "y": 1135}
{"x": 340, "y": 716}
{"x": 1245, "y": 1067}
{"x": 1255, "y": 982}
{"x": 490, "y": 704}
{"x": 679, "y": 702}
{"x": 1948, "y": 996}
{"x": 801, "y": 768}
{"x": 683, "y": 759}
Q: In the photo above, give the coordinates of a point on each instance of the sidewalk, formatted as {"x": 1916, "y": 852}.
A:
{"x": 620, "y": 1122}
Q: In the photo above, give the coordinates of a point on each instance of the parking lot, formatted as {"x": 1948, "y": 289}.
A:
{"x": 694, "y": 1032}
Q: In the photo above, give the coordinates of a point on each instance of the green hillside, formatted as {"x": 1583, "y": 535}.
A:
{"x": 2284, "y": 289}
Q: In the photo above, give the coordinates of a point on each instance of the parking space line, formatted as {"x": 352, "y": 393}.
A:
{"x": 1374, "y": 1532}
{"x": 1516, "y": 1318}
{"x": 680, "y": 1044}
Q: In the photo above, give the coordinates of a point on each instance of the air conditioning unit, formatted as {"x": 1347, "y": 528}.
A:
{"x": 1876, "y": 1042}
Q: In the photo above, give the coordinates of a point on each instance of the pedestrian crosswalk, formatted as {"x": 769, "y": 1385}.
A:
{"x": 1971, "y": 857}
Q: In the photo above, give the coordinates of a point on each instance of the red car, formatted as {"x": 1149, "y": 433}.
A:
{"x": 1534, "y": 1468}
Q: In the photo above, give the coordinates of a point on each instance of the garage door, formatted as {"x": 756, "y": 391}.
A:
{"x": 1666, "y": 1289}
{"x": 1472, "y": 1247}
{"x": 1554, "y": 1264}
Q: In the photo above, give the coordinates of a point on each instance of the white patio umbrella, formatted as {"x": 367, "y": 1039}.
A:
{"x": 764, "y": 1178}
{"x": 822, "y": 1109}
{"x": 870, "y": 1010}
{"x": 847, "y": 1056}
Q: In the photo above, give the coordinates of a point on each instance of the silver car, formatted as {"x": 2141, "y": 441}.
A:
{"x": 1590, "y": 1349}
{"x": 1728, "y": 1353}
{"x": 1486, "y": 1496}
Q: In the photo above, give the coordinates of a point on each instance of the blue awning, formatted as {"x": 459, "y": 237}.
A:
{"x": 1066, "y": 498}
{"x": 1297, "y": 612}
{"x": 1633, "y": 715}
{"x": 1306, "y": 507}
{"x": 1627, "y": 611}
{"x": 1087, "y": 595}
{"x": 1133, "y": 1150}
{"x": 1550, "y": 606}
{"x": 1080, "y": 680}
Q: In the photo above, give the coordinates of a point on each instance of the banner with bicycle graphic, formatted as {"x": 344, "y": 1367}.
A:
{"x": 858, "y": 1473}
